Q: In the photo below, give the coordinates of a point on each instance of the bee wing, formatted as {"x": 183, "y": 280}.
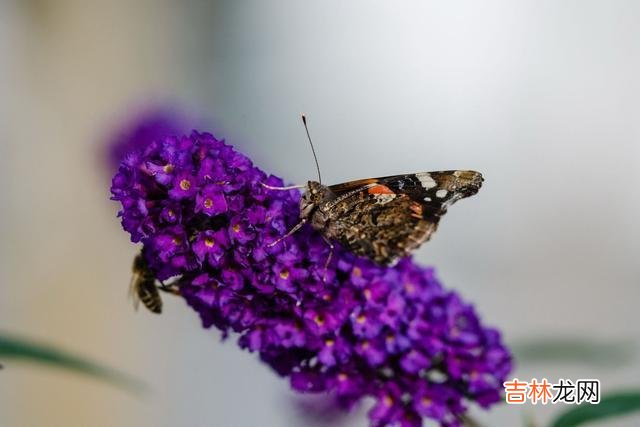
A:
{"x": 133, "y": 290}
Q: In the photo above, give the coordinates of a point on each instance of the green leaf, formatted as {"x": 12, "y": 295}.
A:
{"x": 571, "y": 350}
{"x": 19, "y": 349}
{"x": 611, "y": 405}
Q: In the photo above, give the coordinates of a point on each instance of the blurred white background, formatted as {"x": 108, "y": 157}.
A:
{"x": 541, "y": 96}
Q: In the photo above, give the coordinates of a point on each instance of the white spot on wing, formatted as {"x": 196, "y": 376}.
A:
{"x": 427, "y": 199}
{"x": 426, "y": 181}
{"x": 384, "y": 198}
{"x": 441, "y": 193}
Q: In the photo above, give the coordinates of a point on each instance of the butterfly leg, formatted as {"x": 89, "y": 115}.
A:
{"x": 326, "y": 263}
{"x": 291, "y": 187}
{"x": 293, "y": 230}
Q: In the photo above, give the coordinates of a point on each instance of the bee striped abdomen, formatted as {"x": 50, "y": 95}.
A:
{"x": 143, "y": 287}
{"x": 149, "y": 296}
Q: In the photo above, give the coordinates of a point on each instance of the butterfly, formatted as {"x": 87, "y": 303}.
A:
{"x": 383, "y": 219}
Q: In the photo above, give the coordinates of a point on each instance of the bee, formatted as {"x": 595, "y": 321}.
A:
{"x": 143, "y": 286}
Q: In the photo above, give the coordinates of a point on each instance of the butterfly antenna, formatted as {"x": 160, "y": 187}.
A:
{"x": 313, "y": 150}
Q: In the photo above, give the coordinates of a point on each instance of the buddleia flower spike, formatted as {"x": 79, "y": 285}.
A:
{"x": 200, "y": 210}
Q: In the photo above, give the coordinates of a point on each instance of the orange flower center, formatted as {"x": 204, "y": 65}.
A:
{"x": 208, "y": 203}
{"x": 208, "y": 241}
{"x": 185, "y": 184}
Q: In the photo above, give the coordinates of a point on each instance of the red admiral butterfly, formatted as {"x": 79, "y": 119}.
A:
{"x": 383, "y": 219}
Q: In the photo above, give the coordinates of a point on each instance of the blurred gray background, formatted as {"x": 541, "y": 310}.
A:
{"x": 541, "y": 96}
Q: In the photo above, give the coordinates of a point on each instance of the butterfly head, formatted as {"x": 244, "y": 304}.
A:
{"x": 311, "y": 198}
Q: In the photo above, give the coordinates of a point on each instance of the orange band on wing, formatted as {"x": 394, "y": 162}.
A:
{"x": 380, "y": 189}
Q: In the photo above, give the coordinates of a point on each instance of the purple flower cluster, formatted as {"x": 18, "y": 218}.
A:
{"x": 393, "y": 333}
{"x": 145, "y": 127}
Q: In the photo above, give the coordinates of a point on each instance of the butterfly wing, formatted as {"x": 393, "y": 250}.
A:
{"x": 439, "y": 189}
{"x": 386, "y": 218}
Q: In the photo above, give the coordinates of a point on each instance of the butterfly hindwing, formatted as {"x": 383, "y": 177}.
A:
{"x": 381, "y": 227}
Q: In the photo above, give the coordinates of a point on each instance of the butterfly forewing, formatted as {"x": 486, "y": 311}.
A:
{"x": 438, "y": 189}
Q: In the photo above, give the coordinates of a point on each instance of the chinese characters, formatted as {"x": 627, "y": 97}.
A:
{"x": 518, "y": 392}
